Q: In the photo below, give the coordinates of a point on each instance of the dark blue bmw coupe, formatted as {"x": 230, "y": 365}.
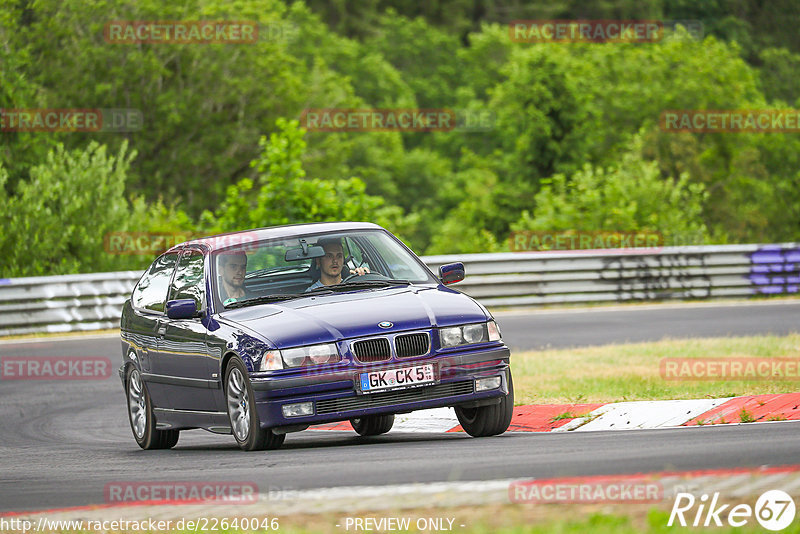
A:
{"x": 268, "y": 331}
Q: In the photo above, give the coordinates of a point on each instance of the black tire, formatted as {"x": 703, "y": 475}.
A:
{"x": 140, "y": 416}
{"x": 488, "y": 420}
{"x": 373, "y": 425}
{"x": 245, "y": 425}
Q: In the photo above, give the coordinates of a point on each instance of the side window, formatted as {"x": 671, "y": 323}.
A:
{"x": 151, "y": 291}
{"x": 397, "y": 260}
{"x": 189, "y": 280}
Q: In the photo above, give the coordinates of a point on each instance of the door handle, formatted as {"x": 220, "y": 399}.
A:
{"x": 162, "y": 331}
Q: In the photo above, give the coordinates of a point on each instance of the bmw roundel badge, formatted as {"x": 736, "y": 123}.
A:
{"x": 385, "y": 324}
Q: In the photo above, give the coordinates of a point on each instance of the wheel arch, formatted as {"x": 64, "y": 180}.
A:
{"x": 226, "y": 360}
{"x": 128, "y": 364}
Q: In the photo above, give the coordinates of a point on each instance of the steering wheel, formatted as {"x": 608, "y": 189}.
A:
{"x": 366, "y": 277}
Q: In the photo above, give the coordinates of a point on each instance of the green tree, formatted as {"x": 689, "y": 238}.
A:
{"x": 779, "y": 74}
{"x": 204, "y": 106}
{"x": 426, "y": 56}
{"x": 632, "y": 195}
{"x": 18, "y": 150}
{"x": 61, "y": 219}
{"x": 282, "y": 194}
{"x": 55, "y": 222}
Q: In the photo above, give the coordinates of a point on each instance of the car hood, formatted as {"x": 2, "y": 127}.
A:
{"x": 327, "y": 318}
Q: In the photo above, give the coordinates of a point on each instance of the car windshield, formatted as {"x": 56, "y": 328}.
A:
{"x": 282, "y": 269}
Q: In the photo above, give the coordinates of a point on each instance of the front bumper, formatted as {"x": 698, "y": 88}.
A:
{"x": 335, "y": 398}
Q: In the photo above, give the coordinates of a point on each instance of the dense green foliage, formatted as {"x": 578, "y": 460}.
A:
{"x": 632, "y": 196}
{"x": 574, "y": 141}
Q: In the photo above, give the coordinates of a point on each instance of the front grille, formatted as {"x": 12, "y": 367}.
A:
{"x": 391, "y": 398}
{"x": 411, "y": 345}
{"x": 372, "y": 350}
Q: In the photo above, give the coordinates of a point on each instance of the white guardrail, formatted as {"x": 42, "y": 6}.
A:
{"x": 94, "y": 301}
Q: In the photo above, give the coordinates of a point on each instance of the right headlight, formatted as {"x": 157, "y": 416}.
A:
{"x": 270, "y": 360}
{"x": 469, "y": 334}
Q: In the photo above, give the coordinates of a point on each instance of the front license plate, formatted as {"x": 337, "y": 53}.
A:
{"x": 397, "y": 378}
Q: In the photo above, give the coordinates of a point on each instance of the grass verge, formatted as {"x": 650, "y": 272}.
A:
{"x": 628, "y": 372}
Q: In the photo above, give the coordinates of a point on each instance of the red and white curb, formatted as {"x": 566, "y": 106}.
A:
{"x": 642, "y": 414}
{"x": 614, "y": 416}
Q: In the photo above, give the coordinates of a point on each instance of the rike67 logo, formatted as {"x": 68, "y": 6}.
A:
{"x": 774, "y": 510}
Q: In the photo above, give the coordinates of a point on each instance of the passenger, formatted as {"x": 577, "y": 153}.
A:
{"x": 330, "y": 265}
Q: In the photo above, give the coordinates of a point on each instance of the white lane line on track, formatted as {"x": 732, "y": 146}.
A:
{"x": 637, "y": 307}
{"x": 793, "y": 485}
{"x": 76, "y": 337}
{"x": 733, "y": 481}
{"x": 674, "y": 484}
{"x": 739, "y": 485}
{"x": 759, "y": 485}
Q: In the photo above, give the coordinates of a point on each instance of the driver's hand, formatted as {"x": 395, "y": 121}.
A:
{"x": 360, "y": 271}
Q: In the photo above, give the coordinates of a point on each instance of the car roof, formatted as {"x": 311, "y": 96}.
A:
{"x": 221, "y": 241}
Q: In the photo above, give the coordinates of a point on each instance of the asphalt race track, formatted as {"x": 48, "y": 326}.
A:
{"x": 61, "y": 442}
{"x": 631, "y": 324}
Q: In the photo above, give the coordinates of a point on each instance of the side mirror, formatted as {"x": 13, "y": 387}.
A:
{"x": 452, "y": 273}
{"x": 182, "y": 309}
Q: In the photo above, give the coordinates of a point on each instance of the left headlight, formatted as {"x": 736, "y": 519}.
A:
{"x": 310, "y": 355}
{"x": 469, "y": 334}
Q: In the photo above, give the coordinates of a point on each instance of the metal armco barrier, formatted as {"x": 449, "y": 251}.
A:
{"x": 65, "y": 303}
{"x": 93, "y": 301}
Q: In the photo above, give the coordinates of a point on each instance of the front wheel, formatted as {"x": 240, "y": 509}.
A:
{"x": 488, "y": 420}
{"x": 140, "y": 415}
{"x": 242, "y": 411}
{"x": 373, "y": 425}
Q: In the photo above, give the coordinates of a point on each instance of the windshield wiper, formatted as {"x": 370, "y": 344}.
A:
{"x": 265, "y": 299}
{"x": 356, "y": 284}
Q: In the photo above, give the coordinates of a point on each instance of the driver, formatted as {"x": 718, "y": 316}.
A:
{"x": 233, "y": 266}
{"x": 330, "y": 265}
